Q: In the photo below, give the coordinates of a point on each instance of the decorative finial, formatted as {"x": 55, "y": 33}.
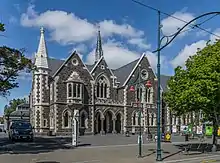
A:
{"x": 42, "y": 30}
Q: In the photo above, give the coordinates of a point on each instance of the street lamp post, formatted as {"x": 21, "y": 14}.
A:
{"x": 169, "y": 39}
{"x": 159, "y": 157}
{"x": 138, "y": 102}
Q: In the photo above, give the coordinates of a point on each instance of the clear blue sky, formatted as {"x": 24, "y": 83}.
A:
{"x": 127, "y": 29}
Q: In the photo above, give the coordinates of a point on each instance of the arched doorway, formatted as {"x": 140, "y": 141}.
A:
{"x": 108, "y": 122}
{"x": 118, "y": 123}
{"x": 97, "y": 123}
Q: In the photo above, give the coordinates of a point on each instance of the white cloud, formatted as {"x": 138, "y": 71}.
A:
{"x": 115, "y": 55}
{"x": 81, "y": 48}
{"x": 140, "y": 42}
{"x": 188, "y": 50}
{"x": 170, "y": 25}
{"x": 67, "y": 28}
{"x": 25, "y": 76}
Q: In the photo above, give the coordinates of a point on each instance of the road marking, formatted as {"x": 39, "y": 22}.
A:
{"x": 87, "y": 161}
{"x": 192, "y": 159}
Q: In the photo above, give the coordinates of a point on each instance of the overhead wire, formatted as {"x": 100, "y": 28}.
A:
{"x": 191, "y": 25}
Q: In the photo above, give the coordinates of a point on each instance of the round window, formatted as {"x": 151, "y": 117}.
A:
{"x": 144, "y": 74}
{"x": 75, "y": 62}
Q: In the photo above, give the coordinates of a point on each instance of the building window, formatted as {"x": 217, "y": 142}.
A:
{"x": 152, "y": 119}
{"x": 66, "y": 119}
{"x": 149, "y": 95}
{"x": 45, "y": 122}
{"x": 70, "y": 90}
{"x": 139, "y": 94}
{"x": 134, "y": 119}
{"x": 83, "y": 118}
{"x": 75, "y": 90}
{"x": 102, "y": 88}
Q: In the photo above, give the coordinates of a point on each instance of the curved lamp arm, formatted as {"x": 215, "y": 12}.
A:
{"x": 178, "y": 32}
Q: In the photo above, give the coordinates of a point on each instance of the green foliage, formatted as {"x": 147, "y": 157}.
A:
{"x": 1, "y": 120}
{"x": 8, "y": 109}
{"x": 12, "y": 62}
{"x": 2, "y": 28}
{"x": 197, "y": 86}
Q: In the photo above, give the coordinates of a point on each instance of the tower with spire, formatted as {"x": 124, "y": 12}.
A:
{"x": 40, "y": 87}
{"x": 98, "y": 51}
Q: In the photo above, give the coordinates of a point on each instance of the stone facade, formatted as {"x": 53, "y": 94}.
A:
{"x": 101, "y": 94}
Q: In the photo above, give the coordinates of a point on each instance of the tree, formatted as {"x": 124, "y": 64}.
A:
{"x": 12, "y": 62}
{"x": 197, "y": 86}
{"x": 8, "y": 109}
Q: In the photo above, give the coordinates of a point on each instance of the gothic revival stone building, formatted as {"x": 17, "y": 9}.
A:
{"x": 101, "y": 94}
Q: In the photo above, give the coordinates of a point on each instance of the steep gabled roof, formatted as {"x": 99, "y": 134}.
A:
{"x": 163, "y": 82}
{"x": 54, "y": 65}
{"x": 123, "y": 72}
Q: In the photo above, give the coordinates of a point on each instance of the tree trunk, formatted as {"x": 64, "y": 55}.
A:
{"x": 214, "y": 135}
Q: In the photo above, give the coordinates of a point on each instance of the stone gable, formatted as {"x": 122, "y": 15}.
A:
{"x": 73, "y": 68}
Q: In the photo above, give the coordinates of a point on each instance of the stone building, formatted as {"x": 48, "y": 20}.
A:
{"x": 101, "y": 94}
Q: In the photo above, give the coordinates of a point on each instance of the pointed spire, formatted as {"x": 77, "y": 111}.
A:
{"x": 41, "y": 56}
{"x": 98, "y": 51}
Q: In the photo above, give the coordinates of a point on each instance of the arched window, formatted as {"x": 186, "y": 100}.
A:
{"x": 152, "y": 119}
{"x": 134, "y": 119}
{"x": 82, "y": 120}
{"x": 66, "y": 119}
{"x": 70, "y": 92}
{"x": 102, "y": 88}
{"x": 78, "y": 90}
{"x": 149, "y": 95}
{"x": 105, "y": 90}
{"x": 74, "y": 90}
{"x": 139, "y": 94}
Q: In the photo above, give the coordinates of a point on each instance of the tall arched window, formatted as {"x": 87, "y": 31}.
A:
{"x": 102, "y": 88}
{"x": 148, "y": 94}
{"x": 152, "y": 119}
{"x": 134, "y": 119}
{"x": 139, "y": 94}
{"x": 66, "y": 119}
{"x": 82, "y": 120}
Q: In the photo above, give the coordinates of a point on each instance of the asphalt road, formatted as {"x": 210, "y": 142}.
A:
{"x": 96, "y": 149}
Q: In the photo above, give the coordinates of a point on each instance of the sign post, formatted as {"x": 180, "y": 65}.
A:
{"x": 75, "y": 128}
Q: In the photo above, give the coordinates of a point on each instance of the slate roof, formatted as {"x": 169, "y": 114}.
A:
{"x": 54, "y": 65}
{"x": 18, "y": 113}
{"x": 121, "y": 73}
{"x": 163, "y": 82}
{"x": 24, "y": 105}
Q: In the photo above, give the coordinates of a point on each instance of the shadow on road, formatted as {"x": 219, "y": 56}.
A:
{"x": 39, "y": 145}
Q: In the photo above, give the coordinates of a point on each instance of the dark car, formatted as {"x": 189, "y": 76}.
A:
{"x": 21, "y": 130}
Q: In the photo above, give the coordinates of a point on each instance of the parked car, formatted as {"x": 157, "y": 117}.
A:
{"x": 20, "y": 130}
